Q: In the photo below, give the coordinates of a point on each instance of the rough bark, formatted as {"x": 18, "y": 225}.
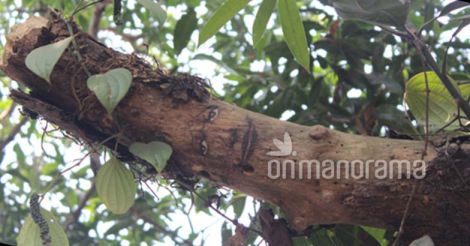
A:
{"x": 216, "y": 140}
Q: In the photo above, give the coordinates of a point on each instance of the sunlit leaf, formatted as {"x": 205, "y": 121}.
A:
{"x": 183, "y": 30}
{"x": 155, "y": 9}
{"x": 442, "y": 107}
{"x": 261, "y": 19}
{"x": 110, "y": 87}
{"x": 382, "y": 12}
{"x": 43, "y": 59}
{"x": 116, "y": 186}
{"x": 30, "y": 232}
{"x": 156, "y": 153}
{"x": 220, "y": 17}
{"x": 294, "y": 33}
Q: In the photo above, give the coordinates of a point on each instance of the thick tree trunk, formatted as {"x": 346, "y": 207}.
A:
{"x": 229, "y": 145}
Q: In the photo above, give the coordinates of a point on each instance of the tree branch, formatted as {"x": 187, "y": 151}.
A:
{"x": 14, "y": 131}
{"x": 96, "y": 18}
{"x": 229, "y": 145}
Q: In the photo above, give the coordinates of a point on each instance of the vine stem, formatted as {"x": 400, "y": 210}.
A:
{"x": 423, "y": 49}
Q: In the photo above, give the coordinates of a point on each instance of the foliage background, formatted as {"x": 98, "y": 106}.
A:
{"x": 356, "y": 85}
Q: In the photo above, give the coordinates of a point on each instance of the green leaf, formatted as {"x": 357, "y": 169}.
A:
{"x": 156, "y": 153}
{"x": 396, "y": 120}
{"x": 379, "y": 12}
{"x": 294, "y": 32}
{"x": 442, "y": 107}
{"x": 42, "y": 60}
{"x": 183, "y": 30}
{"x": 261, "y": 19}
{"x": 30, "y": 233}
{"x": 115, "y": 186}
{"x": 377, "y": 233}
{"x": 220, "y": 17}
{"x": 155, "y": 9}
{"x": 238, "y": 204}
{"x": 110, "y": 87}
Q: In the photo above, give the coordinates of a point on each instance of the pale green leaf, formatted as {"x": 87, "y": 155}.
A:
{"x": 261, "y": 19}
{"x": 110, "y": 87}
{"x": 220, "y": 17}
{"x": 42, "y": 60}
{"x": 116, "y": 186}
{"x": 423, "y": 241}
{"x": 442, "y": 107}
{"x": 381, "y": 12}
{"x": 156, "y": 153}
{"x": 183, "y": 30}
{"x": 155, "y": 9}
{"x": 294, "y": 32}
{"x": 30, "y": 233}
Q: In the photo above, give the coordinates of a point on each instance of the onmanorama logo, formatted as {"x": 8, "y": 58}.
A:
{"x": 285, "y": 168}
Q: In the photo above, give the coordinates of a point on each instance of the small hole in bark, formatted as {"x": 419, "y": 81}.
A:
{"x": 204, "y": 174}
{"x": 248, "y": 168}
{"x": 15, "y": 49}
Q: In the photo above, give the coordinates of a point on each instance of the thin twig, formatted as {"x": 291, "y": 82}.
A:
{"x": 405, "y": 214}
{"x": 173, "y": 235}
{"x": 424, "y": 51}
{"x": 16, "y": 129}
{"x": 73, "y": 219}
{"x": 7, "y": 113}
{"x": 97, "y": 15}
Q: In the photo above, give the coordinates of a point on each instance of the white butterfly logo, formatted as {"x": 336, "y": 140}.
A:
{"x": 284, "y": 147}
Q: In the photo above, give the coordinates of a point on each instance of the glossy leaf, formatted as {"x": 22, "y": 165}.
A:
{"x": 220, "y": 17}
{"x": 155, "y": 9}
{"x": 42, "y": 60}
{"x": 116, "y": 186}
{"x": 442, "y": 107}
{"x": 30, "y": 232}
{"x": 156, "y": 153}
{"x": 183, "y": 30}
{"x": 294, "y": 33}
{"x": 110, "y": 87}
{"x": 261, "y": 20}
{"x": 381, "y": 12}
{"x": 396, "y": 120}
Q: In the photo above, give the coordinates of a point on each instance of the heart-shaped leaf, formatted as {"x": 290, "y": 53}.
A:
{"x": 110, "y": 87}
{"x": 156, "y": 153}
{"x": 155, "y": 9}
{"x": 43, "y": 59}
{"x": 442, "y": 107}
{"x": 30, "y": 232}
{"x": 115, "y": 186}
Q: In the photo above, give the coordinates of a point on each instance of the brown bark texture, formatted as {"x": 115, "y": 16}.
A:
{"x": 228, "y": 145}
